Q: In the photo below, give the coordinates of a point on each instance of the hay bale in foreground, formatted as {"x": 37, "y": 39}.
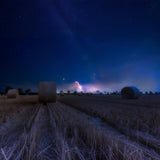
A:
{"x": 12, "y": 93}
{"x": 130, "y": 93}
{"x": 47, "y": 92}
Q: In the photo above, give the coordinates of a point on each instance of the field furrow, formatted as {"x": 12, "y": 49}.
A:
{"x": 120, "y": 119}
{"x": 75, "y": 128}
{"x": 100, "y": 135}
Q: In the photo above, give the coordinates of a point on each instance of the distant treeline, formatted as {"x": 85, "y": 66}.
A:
{"x": 103, "y": 93}
{"x": 21, "y": 91}
{"x": 29, "y": 92}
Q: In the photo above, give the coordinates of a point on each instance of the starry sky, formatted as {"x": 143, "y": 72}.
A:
{"x": 105, "y": 44}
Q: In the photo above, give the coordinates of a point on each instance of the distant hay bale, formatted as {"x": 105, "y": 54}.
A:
{"x": 47, "y": 92}
{"x": 12, "y": 93}
{"x": 130, "y": 93}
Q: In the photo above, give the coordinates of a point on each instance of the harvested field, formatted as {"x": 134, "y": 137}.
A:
{"x": 79, "y": 128}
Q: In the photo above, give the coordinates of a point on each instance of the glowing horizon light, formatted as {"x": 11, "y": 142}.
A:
{"x": 76, "y": 85}
{"x": 91, "y": 88}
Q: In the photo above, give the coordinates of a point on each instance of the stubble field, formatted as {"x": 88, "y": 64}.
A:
{"x": 80, "y": 128}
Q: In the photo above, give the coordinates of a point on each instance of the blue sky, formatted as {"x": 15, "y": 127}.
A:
{"x": 99, "y": 42}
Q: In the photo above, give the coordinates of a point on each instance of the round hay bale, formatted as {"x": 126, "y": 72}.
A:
{"x": 12, "y": 93}
{"x": 47, "y": 92}
{"x": 130, "y": 93}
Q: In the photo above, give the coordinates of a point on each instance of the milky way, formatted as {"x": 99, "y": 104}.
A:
{"x": 101, "y": 44}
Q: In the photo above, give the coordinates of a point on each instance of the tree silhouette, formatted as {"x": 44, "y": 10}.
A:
{"x": 75, "y": 92}
{"x": 151, "y": 93}
{"x": 1, "y": 93}
{"x": 146, "y": 93}
{"x": 61, "y": 93}
{"x": 27, "y": 91}
{"x": 20, "y": 90}
{"x": 7, "y": 88}
{"x": 68, "y": 92}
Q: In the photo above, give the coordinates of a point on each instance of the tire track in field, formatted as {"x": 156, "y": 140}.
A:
{"x": 34, "y": 142}
{"x": 40, "y": 139}
{"x": 138, "y": 137}
{"x": 141, "y": 119}
{"x": 14, "y": 125}
{"x": 14, "y": 133}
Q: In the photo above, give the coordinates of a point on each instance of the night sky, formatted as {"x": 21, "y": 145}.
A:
{"x": 102, "y": 44}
